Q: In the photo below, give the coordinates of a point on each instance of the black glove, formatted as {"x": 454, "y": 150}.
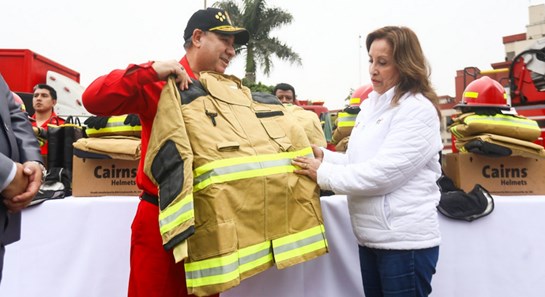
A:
{"x": 132, "y": 120}
{"x": 96, "y": 122}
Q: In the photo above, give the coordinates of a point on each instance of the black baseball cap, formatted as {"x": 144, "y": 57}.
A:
{"x": 215, "y": 20}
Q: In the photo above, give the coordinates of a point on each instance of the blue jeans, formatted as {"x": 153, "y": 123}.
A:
{"x": 397, "y": 273}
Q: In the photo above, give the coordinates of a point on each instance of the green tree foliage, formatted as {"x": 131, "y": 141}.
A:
{"x": 260, "y": 20}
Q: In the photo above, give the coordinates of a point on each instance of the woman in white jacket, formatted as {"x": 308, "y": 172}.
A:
{"x": 390, "y": 169}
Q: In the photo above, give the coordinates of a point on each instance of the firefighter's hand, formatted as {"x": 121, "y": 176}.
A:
{"x": 318, "y": 153}
{"x": 96, "y": 122}
{"x": 132, "y": 120}
{"x": 165, "y": 69}
{"x": 308, "y": 167}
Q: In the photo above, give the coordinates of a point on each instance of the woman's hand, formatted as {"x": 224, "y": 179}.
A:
{"x": 309, "y": 166}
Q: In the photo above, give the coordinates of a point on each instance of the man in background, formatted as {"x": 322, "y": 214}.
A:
{"x": 44, "y": 100}
{"x": 285, "y": 93}
{"x": 306, "y": 118}
{"x": 21, "y": 170}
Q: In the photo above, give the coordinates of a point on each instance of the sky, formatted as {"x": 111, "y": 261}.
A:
{"x": 95, "y": 37}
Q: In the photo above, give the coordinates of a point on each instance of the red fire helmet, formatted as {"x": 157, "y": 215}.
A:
{"x": 484, "y": 92}
{"x": 360, "y": 94}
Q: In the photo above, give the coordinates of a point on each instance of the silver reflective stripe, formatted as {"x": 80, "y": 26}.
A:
{"x": 298, "y": 244}
{"x": 212, "y": 271}
{"x": 225, "y": 269}
{"x": 255, "y": 256}
{"x": 240, "y": 168}
{"x": 167, "y": 220}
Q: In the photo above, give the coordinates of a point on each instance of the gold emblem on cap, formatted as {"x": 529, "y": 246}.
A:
{"x": 223, "y": 16}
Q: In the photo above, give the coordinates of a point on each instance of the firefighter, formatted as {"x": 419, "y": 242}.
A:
{"x": 346, "y": 118}
{"x": 210, "y": 41}
{"x": 44, "y": 100}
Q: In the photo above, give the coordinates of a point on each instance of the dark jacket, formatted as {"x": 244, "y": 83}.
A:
{"x": 17, "y": 144}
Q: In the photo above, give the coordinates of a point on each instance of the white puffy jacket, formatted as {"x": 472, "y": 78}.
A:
{"x": 389, "y": 173}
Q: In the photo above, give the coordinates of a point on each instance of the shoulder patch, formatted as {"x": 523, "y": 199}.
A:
{"x": 265, "y": 98}
{"x": 195, "y": 91}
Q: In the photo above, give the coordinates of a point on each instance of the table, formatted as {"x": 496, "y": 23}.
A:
{"x": 80, "y": 247}
{"x": 71, "y": 247}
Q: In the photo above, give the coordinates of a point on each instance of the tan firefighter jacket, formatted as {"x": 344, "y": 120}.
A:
{"x": 518, "y": 127}
{"x": 250, "y": 209}
{"x": 511, "y": 146}
{"x": 344, "y": 124}
{"x": 497, "y": 134}
{"x": 310, "y": 123}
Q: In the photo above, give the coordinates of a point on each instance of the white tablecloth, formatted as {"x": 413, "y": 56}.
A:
{"x": 80, "y": 247}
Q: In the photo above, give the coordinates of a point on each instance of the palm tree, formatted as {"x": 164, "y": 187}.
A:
{"x": 260, "y": 20}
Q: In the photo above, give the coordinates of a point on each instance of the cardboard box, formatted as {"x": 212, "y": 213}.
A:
{"x": 501, "y": 176}
{"x": 104, "y": 177}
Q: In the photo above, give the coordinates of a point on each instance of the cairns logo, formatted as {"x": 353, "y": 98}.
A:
{"x": 116, "y": 175}
{"x": 507, "y": 176}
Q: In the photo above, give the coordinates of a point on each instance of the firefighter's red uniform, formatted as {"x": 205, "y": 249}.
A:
{"x": 153, "y": 269}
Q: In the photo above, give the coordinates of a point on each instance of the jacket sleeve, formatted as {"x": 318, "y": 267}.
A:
{"x": 169, "y": 161}
{"x": 412, "y": 140}
{"x": 122, "y": 91}
{"x": 27, "y": 143}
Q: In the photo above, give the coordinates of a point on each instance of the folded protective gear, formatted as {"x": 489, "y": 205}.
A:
{"x": 518, "y": 147}
{"x": 481, "y": 147}
{"x": 472, "y": 124}
{"x": 457, "y": 204}
{"x": 122, "y": 125}
{"x": 114, "y": 147}
{"x": 97, "y": 122}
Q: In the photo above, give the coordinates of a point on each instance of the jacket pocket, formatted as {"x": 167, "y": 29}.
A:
{"x": 276, "y": 133}
{"x": 229, "y": 146}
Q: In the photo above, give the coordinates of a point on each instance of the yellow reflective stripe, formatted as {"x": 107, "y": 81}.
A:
{"x": 471, "y": 94}
{"x": 115, "y": 124}
{"x": 298, "y": 244}
{"x": 212, "y": 271}
{"x": 345, "y": 119}
{"x": 242, "y": 175}
{"x": 475, "y": 95}
{"x": 346, "y": 123}
{"x": 354, "y": 101}
{"x": 176, "y": 214}
{"x": 502, "y": 120}
{"x": 255, "y": 256}
{"x": 454, "y": 131}
{"x": 245, "y": 167}
{"x": 227, "y": 268}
